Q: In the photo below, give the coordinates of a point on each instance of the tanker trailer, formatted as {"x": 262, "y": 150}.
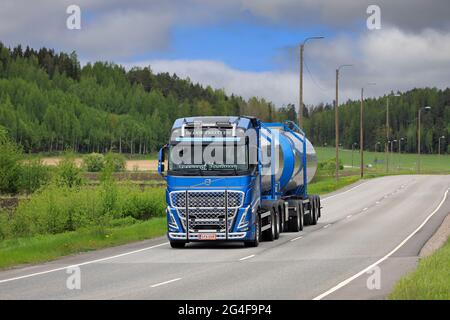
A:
{"x": 237, "y": 179}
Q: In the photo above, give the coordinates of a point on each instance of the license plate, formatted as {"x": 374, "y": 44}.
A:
{"x": 207, "y": 236}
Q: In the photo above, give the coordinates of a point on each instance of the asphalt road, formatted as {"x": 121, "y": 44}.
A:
{"x": 380, "y": 221}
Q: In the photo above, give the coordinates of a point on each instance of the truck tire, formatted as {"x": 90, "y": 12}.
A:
{"x": 255, "y": 242}
{"x": 296, "y": 222}
{"x": 308, "y": 217}
{"x": 314, "y": 210}
{"x": 319, "y": 208}
{"x": 278, "y": 219}
{"x": 269, "y": 234}
{"x": 177, "y": 244}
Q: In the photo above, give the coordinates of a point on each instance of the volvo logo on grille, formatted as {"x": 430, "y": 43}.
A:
{"x": 207, "y": 182}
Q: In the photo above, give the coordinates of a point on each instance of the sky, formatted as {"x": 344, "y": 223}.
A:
{"x": 251, "y": 47}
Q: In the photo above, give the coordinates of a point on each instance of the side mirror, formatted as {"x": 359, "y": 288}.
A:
{"x": 161, "y": 160}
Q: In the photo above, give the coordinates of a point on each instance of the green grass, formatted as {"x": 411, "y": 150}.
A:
{"x": 430, "y": 281}
{"x": 325, "y": 185}
{"x": 399, "y": 163}
{"x": 47, "y": 247}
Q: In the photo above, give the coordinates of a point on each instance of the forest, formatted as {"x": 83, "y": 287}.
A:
{"x": 50, "y": 103}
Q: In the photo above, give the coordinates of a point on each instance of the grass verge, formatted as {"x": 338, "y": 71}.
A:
{"x": 430, "y": 281}
{"x": 329, "y": 184}
{"x": 47, "y": 247}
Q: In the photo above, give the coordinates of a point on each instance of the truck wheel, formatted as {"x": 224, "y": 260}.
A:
{"x": 296, "y": 222}
{"x": 308, "y": 216}
{"x": 318, "y": 208}
{"x": 314, "y": 210}
{"x": 277, "y": 224}
{"x": 255, "y": 242}
{"x": 269, "y": 234}
{"x": 177, "y": 244}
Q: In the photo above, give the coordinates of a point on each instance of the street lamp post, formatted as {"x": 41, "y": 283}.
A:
{"x": 300, "y": 107}
{"x": 387, "y": 128}
{"x": 353, "y": 148}
{"x": 392, "y": 151}
{"x": 399, "y": 150}
{"x": 418, "y": 136}
{"x": 361, "y": 131}
{"x": 336, "y": 117}
{"x": 439, "y": 151}
{"x": 376, "y": 154}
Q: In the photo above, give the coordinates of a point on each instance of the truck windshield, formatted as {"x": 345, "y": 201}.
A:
{"x": 204, "y": 159}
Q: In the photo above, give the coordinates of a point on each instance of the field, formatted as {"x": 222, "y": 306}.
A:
{"x": 398, "y": 163}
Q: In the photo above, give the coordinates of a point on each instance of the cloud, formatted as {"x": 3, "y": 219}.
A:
{"x": 115, "y": 29}
{"x": 278, "y": 87}
{"x": 413, "y": 15}
{"x": 393, "y": 59}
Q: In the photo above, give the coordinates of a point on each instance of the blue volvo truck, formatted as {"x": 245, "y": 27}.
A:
{"x": 237, "y": 179}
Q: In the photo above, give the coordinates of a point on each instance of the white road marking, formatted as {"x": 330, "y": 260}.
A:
{"x": 296, "y": 238}
{"x": 341, "y": 193}
{"x": 378, "y": 202}
{"x": 83, "y": 263}
{"x": 247, "y": 257}
{"x": 326, "y": 226}
{"x": 365, "y": 209}
{"x": 349, "y": 216}
{"x": 165, "y": 282}
{"x": 347, "y": 281}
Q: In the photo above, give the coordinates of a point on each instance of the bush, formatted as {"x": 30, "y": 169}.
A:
{"x": 33, "y": 176}
{"x": 116, "y": 161}
{"x": 94, "y": 162}
{"x": 142, "y": 204}
{"x": 10, "y": 156}
{"x": 68, "y": 174}
{"x": 55, "y": 209}
{"x": 329, "y": 166}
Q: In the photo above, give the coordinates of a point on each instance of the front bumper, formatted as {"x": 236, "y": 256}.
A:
{"x": 221, "y": 236}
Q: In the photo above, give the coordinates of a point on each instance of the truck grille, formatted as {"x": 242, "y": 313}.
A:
{"x": 207, "y": 208}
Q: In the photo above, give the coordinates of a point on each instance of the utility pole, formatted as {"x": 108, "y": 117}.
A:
{"x": 336, "y": 117}
{"x": 387, "y": 129}
{"x": 361, "y": 131}
{"x": 300, "y": 104}
{"x": 439, "y": 151}
{"x": 353, "y": 148}
{"x": 361, "y": 134}
{"x": 392, "y": 152}
{"x": 418, "y": 136}
{"x": 400, "y": 150}
{"x": 387, "y": 134}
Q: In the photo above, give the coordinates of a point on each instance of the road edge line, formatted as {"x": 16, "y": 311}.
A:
{"x": 348, "y": 280}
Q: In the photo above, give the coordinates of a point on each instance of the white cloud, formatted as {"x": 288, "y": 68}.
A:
{"x": 395, "y": 60}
